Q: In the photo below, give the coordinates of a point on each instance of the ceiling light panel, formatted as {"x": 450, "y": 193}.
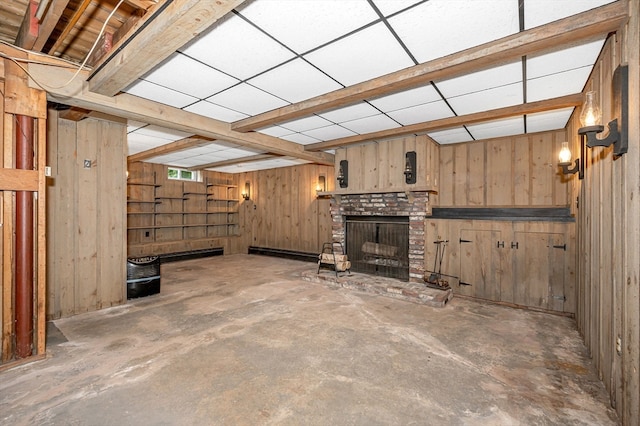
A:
{"x": 485, "y": 100}
{"x": 217, "y": 112}
{"x": 497, "y": 128}
{"x": 367, "y": 54}
{"x": 352, "y": 112}
{"x": 421, "y": 113}
{"x": 295, "y": 81}
{"x": 538, "y": 12}
{"x": 307, "y": 123}
{"x": 406, "y": 99}
{"x": 151, "y": 91}
{"x": 548, "y": 120}
{"x": 237, "y": 48}
{"x": 328, "y": 19}
{"x": 247, "y": 99}
{"x": 560, "y": 84}
{"x": 328, "y": 133}
{"x": 456, "y": 135}
{"x": 189, "y": 76}
{"x": 371, "y": 124}
{"x": 438, "y": 28}
{"x": 563, "y": 60}
{"x": 389, "y": 7}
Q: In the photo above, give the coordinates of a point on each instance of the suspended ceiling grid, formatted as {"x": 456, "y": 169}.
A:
{"x": 271, "y": 53}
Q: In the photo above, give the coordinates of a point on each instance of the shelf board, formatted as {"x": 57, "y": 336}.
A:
{"x": 223, "y": 185}
{"x": 171, "y": 198}
{"x": 143, "y": 202}
{"x": 222, "y": 199}
{"x": 144, "y": 184}
{"x": 196, "y": 193}
{"x": 188, "y": 225}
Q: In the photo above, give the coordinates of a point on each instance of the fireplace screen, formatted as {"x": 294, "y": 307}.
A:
{"x": 378, "y": 245}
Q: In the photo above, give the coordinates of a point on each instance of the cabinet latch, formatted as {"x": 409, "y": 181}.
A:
{"x": 563, "y": 247}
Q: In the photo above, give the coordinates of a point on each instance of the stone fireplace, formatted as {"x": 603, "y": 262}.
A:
{"x": 409, "y": 208}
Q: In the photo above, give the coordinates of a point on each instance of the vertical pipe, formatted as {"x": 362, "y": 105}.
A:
{"x": 24, "y": 241}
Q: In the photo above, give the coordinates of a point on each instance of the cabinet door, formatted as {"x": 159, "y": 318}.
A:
{"x": 480, "y": 263}
{"x": 539, "y": 263}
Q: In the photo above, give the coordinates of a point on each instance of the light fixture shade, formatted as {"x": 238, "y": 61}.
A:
{"x": 565, "y": 153}
{"x": 590, "y": 114}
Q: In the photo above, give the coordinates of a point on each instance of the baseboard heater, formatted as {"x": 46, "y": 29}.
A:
{"x": 194, "y": 254}
{"x": 287, "y": 254}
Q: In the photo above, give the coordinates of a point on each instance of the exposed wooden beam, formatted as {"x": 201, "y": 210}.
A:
{"x": 49, "y": 22}
{"x": 142, "y": 4}
{"x": 584, "y": 26}
{"x": 28, "y": 32}
{"x": 164, "y": 29}
{"x": 250, "y": 159}
{"x": 179, "y": 145}
{"x": 76, "y": 93}
{"x": 69, "y": 26}
{"x": 448, "y": 123}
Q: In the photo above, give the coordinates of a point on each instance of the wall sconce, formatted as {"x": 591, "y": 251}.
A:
{"x": 565, "y": 160}
{"x": 590, "y": 116}
{"x": 322, "y": 184}
{"x": 246, "y": 194}
{"x": 410, "y": 167}
{"x": 343, "y": 174}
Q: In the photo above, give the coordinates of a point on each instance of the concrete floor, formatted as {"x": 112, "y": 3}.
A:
{"x": 242, "y": 340}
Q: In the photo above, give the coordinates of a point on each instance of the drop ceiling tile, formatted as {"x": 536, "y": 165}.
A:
{"x": 300, "y": 138}
{"x": 389, "y": 7}
{"x": 232, "y": 153}
{"x": 237, "y": 48}
{"x": 549, "y": 120}
{"x": 307, "y": 123}
{"x": 563, "y": 60}
{"x": 485, "y": 100}
{"x": 352, "y": 112}
{"x": 497, "y": 128}
{"x": 135, "y": 147}
{"x": 481, "y": 80}
{"x": 369, "y": 53}
{"x": 260, "y": 165}
{"x": 275, "y": 131}
{"x": 370, "y": 124}
{"x": 161, "y": 133}
{"x": 247, "y": 99}
{"x": 328, "y": 19}
{"x": 218, "y": 112}
{"x": 327, "y": 133}
{"x": 421, "y": 113}
{"x": 456, "y": 135}
{"x": 189, "y": 76}
{"x": 437, "y": 28}
{"x": 295, "y": 81}
{"x": 153, "y": 92}
{"x": 406, "y": 99}
{"x": 218, "y": 145}
{"x": 560, "y": 84}
{"x": 133, "y": 125}
{"x": 538, "y": 12}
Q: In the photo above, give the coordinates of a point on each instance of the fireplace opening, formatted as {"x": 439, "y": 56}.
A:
{"x": 378, "y": 245}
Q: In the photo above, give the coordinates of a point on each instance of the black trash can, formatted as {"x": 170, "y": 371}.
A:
{"x": 143, "y": 276}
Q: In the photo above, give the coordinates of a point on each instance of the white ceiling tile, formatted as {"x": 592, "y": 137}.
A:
{"x": 456, "y": 135}
{"x": 307, "y": 123}
{"x": 300, "y": 138}
{"x": 563, "y": 60}
{"x": 153, "y": 92}
{"x": 421, "y": 113}
{"x": 549, "y": 120}
{"x": 162, "y": 133}
{"x": 366, "y": 54}
{"x": 275, "y": 131}
{"x": 389, "y": 7}
{"x": 328, "y": 19}
{"x": 189, "y": 76}
{"x": 327, "y": 133}
{"x": 218, "y": 112}
{"x": 247, "y": 99}
{"x": 497, "y": 128}
{"x": 260, "y": 165}
{"x": 370, "y": 124}
{"x": 352, "y": 112}
{"x": 540, "y": 12}
{"x": 237, "y": 48}
{"x": 438, "y": 28}
{"x": 134, "y": 125}
{"x": 481, "y": 80}
{"x": 219, "y": 145}
{"x": 135, "y": 147}
{"x": 228, "y": 154}
{"x": 560, "y": 84}
{"x": 407, "y": 98}
{"x": 485, "y": 100}
{"x": 295, "y": 81}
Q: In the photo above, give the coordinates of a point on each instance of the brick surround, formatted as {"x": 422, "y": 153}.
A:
{"x": 415, "y": 205}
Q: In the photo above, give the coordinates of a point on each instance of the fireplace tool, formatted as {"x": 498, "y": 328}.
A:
{"x": 434, "y": 280}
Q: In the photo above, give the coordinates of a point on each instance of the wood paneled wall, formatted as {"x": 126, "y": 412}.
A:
{"x": 86, "y": 219}
{"x": 284, "y": 211}
{"x": 515, "y": 171}
{"x": 608, "y": 219}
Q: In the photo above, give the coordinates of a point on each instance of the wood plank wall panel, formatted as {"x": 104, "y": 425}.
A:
{"x": 86, "y": 216}
{"x": 516, "y": 171}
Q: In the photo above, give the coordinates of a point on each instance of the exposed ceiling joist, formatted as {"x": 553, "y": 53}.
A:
{"x": 580, "y": 27}
{"x": 231, "y": 162}
{"x": 54, "y": 78}
{"x": 164, "y": 29}
{"x": 48, "y": 24}
{"x": 448, "y": 123}
{"x": 175, "y": 146}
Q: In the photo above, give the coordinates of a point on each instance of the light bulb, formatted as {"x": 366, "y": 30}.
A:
{"x": 590, "y": 115}
{"x": 565, "y": 153}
